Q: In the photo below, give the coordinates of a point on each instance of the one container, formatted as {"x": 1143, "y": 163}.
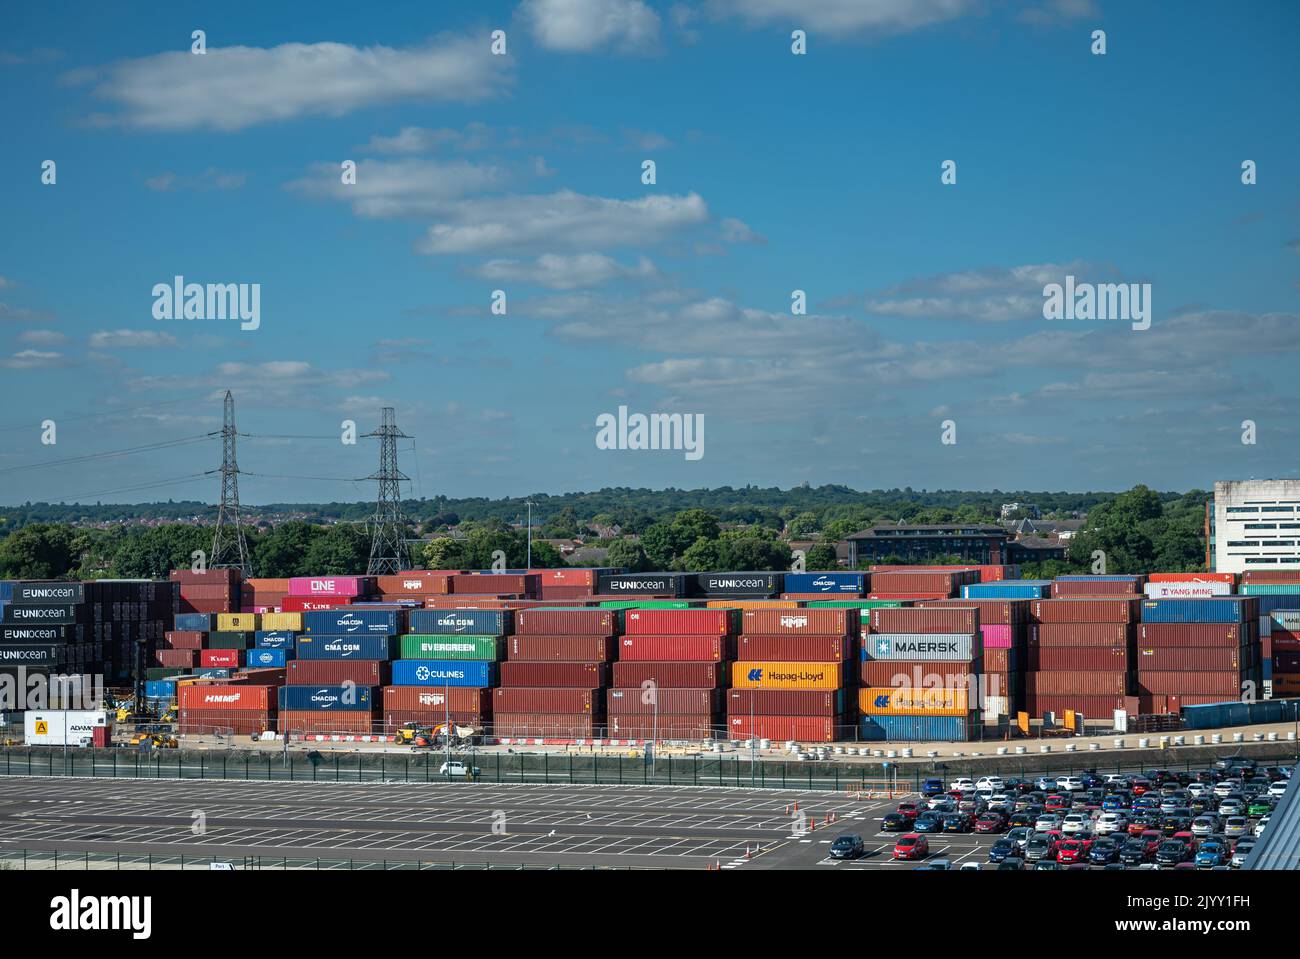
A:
{"x": 442, "y": 672}
{"x": 331, "y": 586}
{"x": 786, "y": 675}
{"x": 824, "y": 622}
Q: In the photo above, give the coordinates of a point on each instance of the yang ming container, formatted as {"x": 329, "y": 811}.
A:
{"x": 478, "y": 622}
{"x": 851, "y": 584}
{"x": 433, "y": 672}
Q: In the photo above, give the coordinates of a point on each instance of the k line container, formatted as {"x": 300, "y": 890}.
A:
{"x": 1227, "y": 609}
{"x": 803, "y": 729}
{"x": 568, "y": 622}
{"x": 676, "y": 648}
{"x": 231, "y": 658}
{"x": 547, "y": 700}
{"x": 823, "y": 622}
{"x": 309, "y": 603}
{"x": 925, "y": 620}
{"x": 345, "y": 647}
{"x": 953, "y": 647}
{"x": 416, "y": 646}
{"x": 785, "y": 702}
{"x": 336, "y": 672}
{"x": 581, "y": 675}
{"x": 680, "y": 622}
{"x": 443, "y": 672}
{"x": 802, "y": 649}
{"x": 633, "y": 701}
{"x": 908, "y": 701}
{"x": 563, "y": 649}
{"x": 786, "y": 675}
{"x": 671, "y": 675}
{"x": 1052, "y": 611}
{"x": 478, "y": 622}
{"x": 853, "y": 584}
{"x": 915, "y": 729}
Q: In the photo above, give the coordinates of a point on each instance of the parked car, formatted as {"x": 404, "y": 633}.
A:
{"x": 1241, "y": 851}
{"x": 1171, "y": 852}
{"x": 992, "y": 821}
{"x": 1040, "y": 847}
{"x": 1002, "y": 849}
{"x": 847, "y": 846}
{"x": 1104, "y": 851}
{"x": 1020, "y": 835}
{"x": 1134, "y": 851}
{"x": 1109, "y": 822}
{"x": 1069, "y": 783}
{"x": 1206, "y": 825}
{"x": 991, "y": 783}
{"x": 928, "y": 822}
{"x": 1012, "y": 862}
{"x": 961, "y": 785}
{"x": 1074, "y": 822}
{"x": 1259, "y": 826}
{"x": 897, "y": 822}
{"x": 1236, "y": 826}
{"x": 1211, "y": 853}
{"x": 911, "y": 846}
{"x": 932, "y": 787}
{"x": 1278, "y": 789}
{"x": 957, "y": 822}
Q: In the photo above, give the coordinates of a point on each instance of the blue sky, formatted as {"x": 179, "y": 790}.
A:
{"x": 775, "y": 172}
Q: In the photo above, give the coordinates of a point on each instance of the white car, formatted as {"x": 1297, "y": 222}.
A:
{"x": 457, "y": 768}
{"x": 1278, "y": 789}
{"x": 1110, "y": 822}
{"x": 1197, "y": 790}
{"x": 999, "y": 801}
{"x": 1074, "y": 822}
{"x": 961, "y": 784}
{"x": 969, "y": 867}
{"x": 1069, "y": 783}
{"x": 944, "y": 803}
{"x": 984, "y": 795}
{"x": 1047, "y": 821}
{"x": 1206, "y": 825}
{"x": 1227, "y": 787}
{"x": 992, "y": 783}
{"x": 1259, "y": 826}
{"x": 1116, "y": 778}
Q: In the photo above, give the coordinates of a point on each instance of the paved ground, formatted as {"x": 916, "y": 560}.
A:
{"x": 673, "y": 827}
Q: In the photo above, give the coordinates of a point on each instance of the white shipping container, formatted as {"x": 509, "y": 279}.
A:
{"x": 58, "y": 727}
{"x": 1188, "y": 590}
{"x": 995, "y": 706}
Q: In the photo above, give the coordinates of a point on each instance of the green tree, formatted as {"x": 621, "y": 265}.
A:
{"x": 627, "y": 554}
{"x": 39, "y": 551}
{"x": 341, "y": 549}
{"x": 663, "y": 543}
{"x": 821, "y": 556}
{"x": 155, "y": 551}
{"x": 283, "y": 551}
{"x": 445, "y": 553}
{"x": 696, "y": 524}
{"x": 704, "y": 556}
{"x": 804, "y": 525}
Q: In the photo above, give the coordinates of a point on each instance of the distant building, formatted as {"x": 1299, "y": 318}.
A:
{"x": 1253, "y": 524}
{"x": 1035, "y": 549}
{"x": 1057, "y": 529}
{"x": 974, "y": 543}
{"x": 1009, "y": 510}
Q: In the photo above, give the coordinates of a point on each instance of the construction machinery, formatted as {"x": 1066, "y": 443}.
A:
{"x": 432, "y": 736}
{"x": 154, "y": 740}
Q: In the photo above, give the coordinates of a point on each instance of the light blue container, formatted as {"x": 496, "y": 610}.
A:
{"x": 444, "y": 672}
{"x": 916, "y": 729}
{"x": 1009, "y": 589}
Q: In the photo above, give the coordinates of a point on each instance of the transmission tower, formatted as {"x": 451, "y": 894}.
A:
{"x": 387, "y": 528}
{"x": 229, "y": 535}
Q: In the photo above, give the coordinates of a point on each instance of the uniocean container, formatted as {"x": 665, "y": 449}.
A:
{"x": 652, "y": 584}
{"x": 1226, "y": 609}
{"x": 800, "y": 649}
{"x": 733, "y": 584}
{"x": 274, "y": 639}
{"x": 959, "y": 619}
{"x": 561, "y": 649}
{"x": 802, "y": 729}
{"x": 317, "y": 646}
{"x": 1188, "y": 590}
{"x": 1202, "y": 658}
{"x": 547, "y": 700}
{"x": 568, "y": 622}
{"x": 681, "y": 622}
{"x": 331, "y": 586}
{"x": 916, "y": 729}
{"x": 1191, "y": 634}
{"x": 336, "y": 672}
{"x": 819, "y": 622}
{"x": 953, "y": 647}
{"x": 779, "y": 675}
{"x": 267, "y": 658}
{"x": 478, "y": 622}
{"x": 786, "y": 702}
{"x": 671, "y": 675}
{"x": 1118, "y": 610}
{"x": 417, "y": 646}
{"x": 909, "y": 701}
{"x": 676, "y": 648}
{"x": 851, "y": 584}
{"x": 1009, "y": 589}
{"x": 586, "y": 675}
{"x": 641, "y": 702}
{"x": 443, "y": 672}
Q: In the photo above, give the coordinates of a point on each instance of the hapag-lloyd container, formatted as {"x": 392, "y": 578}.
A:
{"x": 994, "y": 636}
{"x": 1191, "y": 634}
{"x": 915, "y": 729}
{"x": 951, "y": 647}
{"x": 1187, "y": 590}
{"x": 961, "y": 619}
{"x": 1101, "y": 658}
{"x": 416, "y": 646}
{"x": 676, "y": 648}
{"x": 547, "y": 700}
{"x": 908, "y": 701}
{"x": 1225, "y": 683}
{"x": 1080, "y": 634}
{"x": 671, "y": 675}
{"x": 213, "y": 697}
{"x": 1084, "y": 683}
{"x": 680, "y": 622}
{"x": 562, "y": 622}
{"x": 238, "y": 622}
{"x": 323, "y": 697}
{"x": 637, "y": 701}
{"x": 443, "y": 672}
{"x": 852, "y": 584}
{"x": 1118, "y": 610}
{"x": 1225, "y": 609}
{"x": 779, "y": 675}
{"x": 1201, "y": 658}
{"x": 479, "y": 622}
{"x": 463, "y": 700}
{"x": 803, "y": 729}
{"x": 785, "y": 702}
{"x": 336, "y": 672}
{"x": 355, "y": 621}
{"x": 1000, "y": 612}
{"x": 561, "y": 649}
{"x": 823, "y": 622}
{"x": 800, "y": 649}
{"x": 580, "y": 675}
{"x": 331, "y": 586}
{"x": 345, "y": 647}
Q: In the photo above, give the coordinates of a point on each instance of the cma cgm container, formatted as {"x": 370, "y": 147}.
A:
{"x": 1009, "y": 589}
{"x": 851, "y": 584}
{"x": 679, "y": 675}
{"x": 443, "y": 672}
{"x": 653, "y": 584}
{"x": 346, "y": 647}
{"x": 586, "y": 675}
{"x": 680, "y": 622}
{"x": 416, "y": 646}
{"x": 562, "y": 622}
{"x": 547, "y": 700}
{"x": 786, "y": 702}
{"x": 821, "y": 622}
{"x": 331, "y": 586}
{"x": 962, "y": 619}
{"x": 561, "y": 649}
{"x": 802, "y": 649}
{"x": 804, "y": 729}
{"x": 734, "y": 584}
{"x": 779, "y": 675}
{"x": 354, "y": 621}
{"x": 1083, "y": 610}
{"x": 1227, "y": 609}
{"x": 323, "y": 697}
{"x": 952, "y": 647}
{"x": 689, "y": 700}
{"x": 336, "y": 672}
{"x": 916, "y": 729}
{"x": 479, "y": 622}
{"x": 274, "y": 639}
{"x": 676, "y": 648}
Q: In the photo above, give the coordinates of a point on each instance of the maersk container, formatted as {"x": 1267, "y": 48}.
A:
{"x": 346, "y": 647}
{"x": 417, "y": 646}
{"x": 267, "y": 658}
{"x": 476, "y": 622}
{"x": 916, "y": 729}
{"x": 853, "y": 584}
{"x": 443, "y": 672}
{"x": 274, "y": 639}
{"x": 203, "y": 622}
{"x": 1009, "y": 589}
{"x": 948, "y": 647}
{"x": 1286, "y": 618}
{"x": 354, "y": 621}
{"x": 1227, "y": 609}
{"x": 325, "y": 697}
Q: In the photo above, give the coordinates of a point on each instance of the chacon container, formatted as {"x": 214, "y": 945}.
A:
{"x": 785, "y": 702}
{"x": 568, "y": 622}
{"x": 642, "y": 702}
{"x": 800, "y": 649}
{"x": 681, "y": 622}
{"x": 561, "y": 649}
{"x": 671, "y": 675}
{"x": 443, "y": 672}
{"x": 908, "y": 701}
{"x": 779, "y": 675}
{"x": 416, "y": 646}
{"x": 331, "y": 586}
{"x": 586, "y": 675}
{"x": 953, "y": 647}
{"x": 336, "y": 672}
{"x": 925, "y": 620}
{"x": 852, "y": 584}
{"x": 916, "y": 729}
{"x": 803, "y": 729}
{"x": 820, "y": 622}
{"x": 547, "y": 700}
{"x": 323, "y": 697}
{"x": 477, "y": 622}
{"x": 346, "y": 647}
{"x": 676, "y": 648}
{"x": 1118, "y": 610}
{"x": 1227, "y": 609}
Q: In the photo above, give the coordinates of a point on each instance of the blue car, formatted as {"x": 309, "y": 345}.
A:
{"x": 1112, "y": 803}
{"x": 928, "y": 822}
{"x": 1209, "y": 854}
{"x": 932, "y": 787}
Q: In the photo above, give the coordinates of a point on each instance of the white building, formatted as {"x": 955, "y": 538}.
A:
{"x": 1256, "y": 525}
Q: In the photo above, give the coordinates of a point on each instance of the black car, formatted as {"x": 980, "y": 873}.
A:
{"x": 1133, "y": 852}
{"x": 1012, "y": 862}
{"x": 957, "y": 822}
{"x": 847, "y": 847}
{"x": 896, "y": 822}
{"x": 1103, "y": 851}
{"x": 928, "y": 822}
{"x": 1003, "y": 849}
{"x": 1173, "y": 851}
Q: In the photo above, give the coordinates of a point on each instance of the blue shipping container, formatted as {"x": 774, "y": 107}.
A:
{"x": 6, "y": 589}
{"x": 203, "y": 622}
{"x": 275, "y": 639}
{"x": 346, "y": 647}
{"x": 851, "y": 583}
{"x": 337, "y": 698}
{"x": 1009, "y": 589}
{"x": 1224, "y": 609}
{"x": 160, "y": 688}
{"x": 915, "y": 729}
{"x": 267, "y": 658}
{"x": 349, "y": 621}
{"x": 443, "y": 672}
{"x": 477, "y": 622}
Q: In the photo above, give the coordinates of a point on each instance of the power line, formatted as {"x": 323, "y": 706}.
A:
{"x": 104, "y": 415}
{"x": 87, "y": 457}
{"x": 287, "y": 436}
{"x": 138, "y": 486}
{"x": 323, "y": 479}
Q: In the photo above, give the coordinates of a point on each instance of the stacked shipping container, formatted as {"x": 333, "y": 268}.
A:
{"x": 1196, "y": 651}
{"x": 1079, "y": 654}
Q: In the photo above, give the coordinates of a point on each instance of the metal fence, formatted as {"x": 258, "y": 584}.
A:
{"x": 49, "y": 859}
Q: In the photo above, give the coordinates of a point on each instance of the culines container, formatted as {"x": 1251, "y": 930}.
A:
{"x": 443, "y": 672}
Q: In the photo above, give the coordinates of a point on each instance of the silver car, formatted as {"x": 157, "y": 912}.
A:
{"x": 1205, "y": 825}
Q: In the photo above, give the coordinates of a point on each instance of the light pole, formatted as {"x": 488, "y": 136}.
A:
{"x": 529, "y": 504}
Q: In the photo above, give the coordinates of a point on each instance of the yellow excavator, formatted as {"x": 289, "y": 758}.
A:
{"x": 419, "y": 736}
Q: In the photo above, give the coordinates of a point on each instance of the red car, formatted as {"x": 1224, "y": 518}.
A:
{"x": 1188, "y": 839}
{"x": 908, "y": 809}
{"x": 1140, "y": 786}
{"x": 1071, "y": 850}
{"x": 991, "y": 822}
{"x": 1055, "y": 803}
{"x": 1137, "y": 827}
{"x": 1153, "y": 837}
{"x": 911, "y": 846}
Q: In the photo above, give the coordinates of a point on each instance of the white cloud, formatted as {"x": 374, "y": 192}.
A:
{"x": 737, "y": 231}
{"x": 209, "y": 179}
{"x": 565, "y": 272}
{"x": 833, "y": 17}
{"x": 33, "y": 360}
{"x": 988, "y": 295}
{"x": 1051, "y": 12}
{"x": 131, "y": 339}
{"x": 395, "y": 188}
{"x": 647, "y": 140}
{"x": 577, "y": 26}
{"x": 230, "y": 88}
{"x": 43, "y": 337}
{"x": 568, "y": 218}
{"x": 412, "y": 140}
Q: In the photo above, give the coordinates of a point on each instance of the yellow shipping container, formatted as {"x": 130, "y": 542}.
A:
{"x": 752, "y": 604}
{"x": 765, "y": 675}
{"x": 237, "y": 622}
{"x": 911, "y": 701}
{"x": 290, "y": 621}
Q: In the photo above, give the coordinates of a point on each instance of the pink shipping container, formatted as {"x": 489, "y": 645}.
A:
{"x": 566, "y": 622}
{"x": 580, "y": 675}
{"x": 1084, "y": 610}
{"x": 825, "y": 622}
{"x": 1080, "y": 634}
{"x": 806, "y": 729}
{"x": 669, "y": 726}
{"x": 964, "y": 619}
{"x": 522, "y": 584}
{"x": 1205, "y": 658}
{"x": 675, "y": 649}
{"x": 1077, "y": 682}
{"x": 335, "y": 672}
{"x": 785, "y": 702}
{"x": 1155, "y": 635}
{"x": 996, "y": 637}
{"x": 544, "y": 726}
{"x": 793, "y": 649}
{"x": 1226, "y": 683}
{"x": 544, "y": 700}
{"x": 944, "y": 582}
{"x": 331, "y": 585}
{"x": 561, "y": 649}
{"x": 679, "y": 622}
{"x": 183, "y": 639}
{"x": 993, "y": 612}
{"x": 671, "y": 675}
{"x": 1077, "y": 658}
{"x": 633, "y": 701}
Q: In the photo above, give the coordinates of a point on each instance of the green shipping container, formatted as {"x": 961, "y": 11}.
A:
{"x": 162, "y": 672}
{"x": 645, "y": 604}
{"x": 423, "y": 646}
{"x": 854, "y": 603}
{"x": 1267, "y": 589}
{"x": 229, "y": 640}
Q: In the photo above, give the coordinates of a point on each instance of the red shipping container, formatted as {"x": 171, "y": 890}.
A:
{"x": 917, "y": 674}
{"x": 1152, "y": 705}
{"x": 416, "y": 581}
{"x": 544, "y": 726}
{"x": 628, "y": 702}
{"x": 208, "y": 606}
{"x": 473, "y": 700}
{"x": 1103, "y": 658}
{"x": 1191, "y": 577}
{"x": 1098, "y": 587}
{"x": 567, "y": 576}
{"x": 691, "y": 726}
{"x": 793, "y": 649}
{"x": 945, "y": 582}
{"x": 1286, "y": 662}
{"x": 352, "y": 722}
{"x": 1074, "y": 682}
{"x": 1093, "y": 707}
{"x": 225, "y": 696}
{"x": 676, "y": 648}
{"x": 1081, "y": 634}
{"x": 580, "y": 675}
{"x": 263, "y": 677}
{"x": 806, "y": 729}
{"x": 1191, "y": 699}
{"x": 993, "y": 612}
{"x": 238, "y": 722}
{"x": 183, "y": 639}
{"x": 210, "y": 591}
{"x": 304, "y": 604}
{"x": 561, "y": 649}
{"x": 544, "y": 700}
{"x": 785, "y": 702}
{"x": 1083, "y": 610}
{"x": 817, "y": 621}
{"x": 1225, "y": 683}
{"x": 177, "y": 658}
{"x": 336, "y": 672}
{"x": 225, "y": 576}
{"x": 671, "y": 675}
{"x": 1189, "y": 634}
{"x": 567, "y": 622}
{"x": 520, "y": 584}
{"x": 988, "y": 574}
{"x": 679, "y": 622}
{"x": 1271, "y": 576}
{"x": 395, "y": 719}
{"x": 1207, "y": 658}
{"x": 887, "y": 619}
{"x": 221, "y": 658}
{"x": 910, "y": 598}
{"x": 576, "y": 594}
{"x": 997, "y": 660}
{"x": 997, "y": 683}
